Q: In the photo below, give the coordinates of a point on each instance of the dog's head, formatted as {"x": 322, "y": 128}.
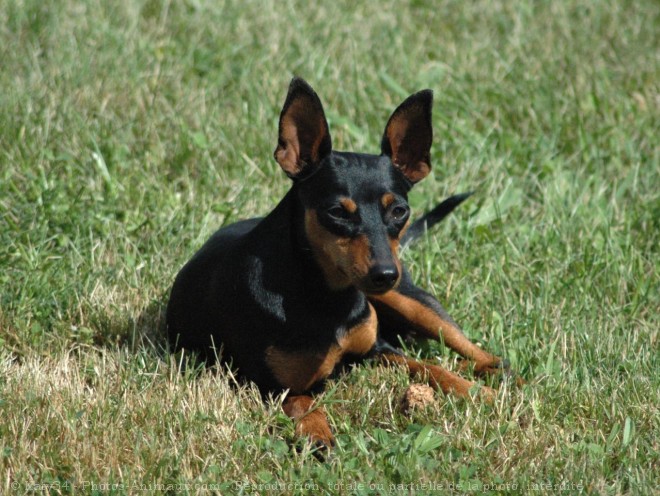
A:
{"x": 356, "y": 207}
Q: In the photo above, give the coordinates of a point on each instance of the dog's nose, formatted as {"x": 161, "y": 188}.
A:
{"x": 383, "y": 277}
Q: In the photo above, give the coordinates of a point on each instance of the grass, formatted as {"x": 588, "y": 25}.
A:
{"x": 130, "y": 131}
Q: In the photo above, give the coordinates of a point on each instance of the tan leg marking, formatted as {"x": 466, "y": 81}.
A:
{"x": 440, "y": 378}
{"x": 432, "y": 325}
{"x": 310, "y": 422}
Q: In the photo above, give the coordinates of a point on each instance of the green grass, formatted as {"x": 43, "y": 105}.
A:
{"x": 130, "y": 131}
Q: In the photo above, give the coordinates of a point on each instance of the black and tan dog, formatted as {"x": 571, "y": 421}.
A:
{"x": 317, "y": 283}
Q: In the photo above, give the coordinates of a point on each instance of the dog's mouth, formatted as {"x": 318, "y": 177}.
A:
{"x": 377, "y": 288}
{"x": 369, "y": 284}
{"x": 374, "y": 282}
{"x": 376, "y": 292}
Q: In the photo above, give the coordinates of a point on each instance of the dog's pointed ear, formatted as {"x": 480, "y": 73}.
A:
{"x": 304, "y": 139}
{"x": 408, "y": 136}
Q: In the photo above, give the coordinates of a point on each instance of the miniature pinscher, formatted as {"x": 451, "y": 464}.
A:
{"x": 289, "y": 298}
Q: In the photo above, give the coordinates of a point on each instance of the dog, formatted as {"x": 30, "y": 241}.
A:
{"x": 289, "y": 298}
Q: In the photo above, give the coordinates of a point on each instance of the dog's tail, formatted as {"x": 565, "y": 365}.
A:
{"x": 429, "y": 219}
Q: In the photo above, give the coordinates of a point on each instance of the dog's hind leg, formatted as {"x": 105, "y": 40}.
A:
{"x": 437, "y": 377}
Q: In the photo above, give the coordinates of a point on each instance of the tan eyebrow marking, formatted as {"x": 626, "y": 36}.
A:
{"x": 387, "y": 199}
{"x": 349, "y": 205}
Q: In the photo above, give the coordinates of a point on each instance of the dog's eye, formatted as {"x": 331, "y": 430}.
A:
{"x": 399, "y": 213}
{"x": 339, "y": 212}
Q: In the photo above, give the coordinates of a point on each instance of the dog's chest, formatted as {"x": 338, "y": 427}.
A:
{"x": 300, "y": 370}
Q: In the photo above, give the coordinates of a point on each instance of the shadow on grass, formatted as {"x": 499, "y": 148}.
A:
{"x": 146, "y": 332}
{"x": 149, "y": 329}
{"x": 142, "y": 331}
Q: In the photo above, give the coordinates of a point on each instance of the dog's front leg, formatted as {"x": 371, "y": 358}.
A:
{"x": 409, "y": 308}
{"x": 310, "y": 422}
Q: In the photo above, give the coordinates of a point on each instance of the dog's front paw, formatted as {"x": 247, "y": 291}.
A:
{"x": 314, "y": 426}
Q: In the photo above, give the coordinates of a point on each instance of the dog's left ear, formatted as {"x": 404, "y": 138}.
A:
{"x": 304, "y": 139}
{"x": 408, "y": 136}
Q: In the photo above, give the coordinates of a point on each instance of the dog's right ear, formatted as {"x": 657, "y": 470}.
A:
{"x": 304, "y": 139}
